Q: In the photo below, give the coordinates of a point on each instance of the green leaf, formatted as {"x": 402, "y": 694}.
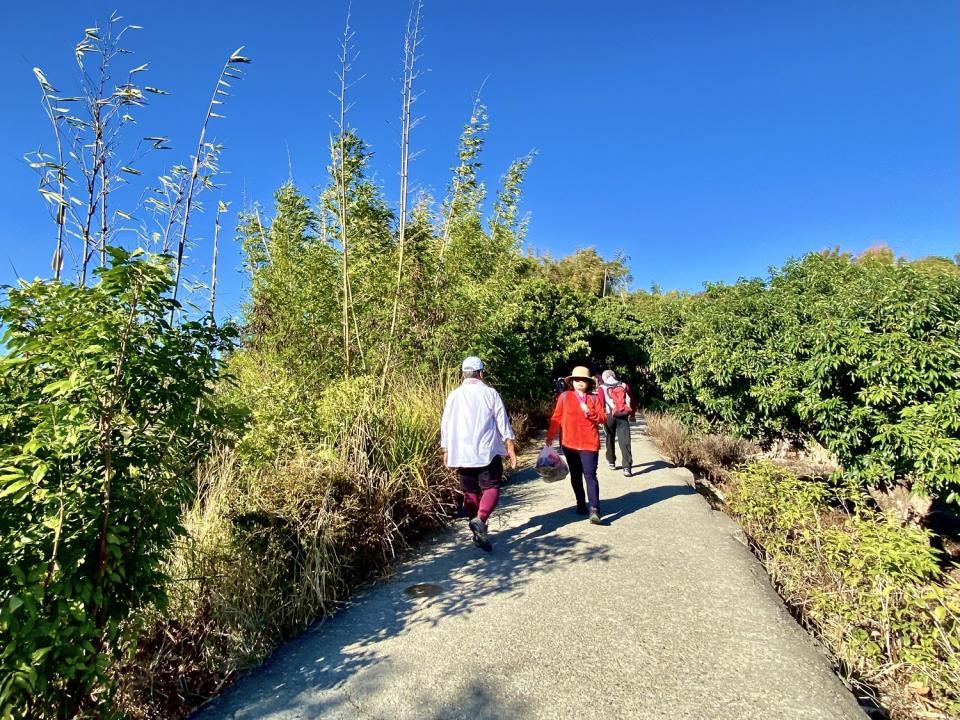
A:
{"x": 56, "y": 387}
{"x": 15, "y": 487}
{"x": 39, "y": 473}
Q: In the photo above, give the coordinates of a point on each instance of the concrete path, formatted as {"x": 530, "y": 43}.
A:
{"x": 661, "y": 613}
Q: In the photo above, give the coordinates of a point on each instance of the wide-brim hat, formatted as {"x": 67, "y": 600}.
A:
{"x": 580, "y": 373}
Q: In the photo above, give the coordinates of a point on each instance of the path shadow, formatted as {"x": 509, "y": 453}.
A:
{"x": 476, "y": 700}
{"x": 309, "y": 676}
{"x": 617, "y": 508}
{"x": 651, "y": 466}
{"x": 330, "y": 653}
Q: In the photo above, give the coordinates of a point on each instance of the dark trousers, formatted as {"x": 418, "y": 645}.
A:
{"x": 583, "y": 466}
{"x": 481, "y": 488}
{"x": 618, "y": 431}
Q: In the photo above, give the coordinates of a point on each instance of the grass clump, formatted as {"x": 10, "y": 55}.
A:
{"x": 710, "y": 453}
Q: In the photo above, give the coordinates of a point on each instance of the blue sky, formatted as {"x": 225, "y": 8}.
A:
{"x": 707, "y": 141}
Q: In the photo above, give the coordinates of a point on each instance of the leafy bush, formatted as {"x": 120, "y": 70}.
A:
{"x": 880, "y": 370}
{"x": 860, "y": 355}
{"x": 873, "y": 590}
{"x": 105, "y": 409}
{"x": 532, "y": 336}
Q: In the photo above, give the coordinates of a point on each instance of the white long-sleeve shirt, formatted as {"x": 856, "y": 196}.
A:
{"x": 474, "y": 425}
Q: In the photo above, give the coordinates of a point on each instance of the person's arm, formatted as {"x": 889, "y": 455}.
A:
{"x": 505, "y": 429}
{"x": 511, "y": 453}
{"x": 554, "y": 427}
{"x": 596, "y": 412}
{"x": 445, "y": 430}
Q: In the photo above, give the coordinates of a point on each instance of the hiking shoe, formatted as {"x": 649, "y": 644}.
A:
{"x": 612, "y": 466}
{"x": 627, "y": 472}
{"x": 479, "y": 529}
{"x": 595, "y": 517}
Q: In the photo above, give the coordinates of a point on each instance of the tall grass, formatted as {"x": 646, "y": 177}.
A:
{"x": 274, "y": 544}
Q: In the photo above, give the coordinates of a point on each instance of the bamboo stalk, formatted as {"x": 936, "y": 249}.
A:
{"x": 221, "y": 208}
{"x": 411, "y": 43}
{"x": 342, "y": 191}
{"x": 60, "y": 217}
{"x": 457, "y": 184}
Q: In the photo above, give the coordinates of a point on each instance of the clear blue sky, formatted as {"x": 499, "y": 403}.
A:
{"x": 706, "y": 140}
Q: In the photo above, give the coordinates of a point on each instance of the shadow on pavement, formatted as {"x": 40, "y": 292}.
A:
{"x": 330, "y": 653}
{"x": 477, "y": 701}
{"x": 651, "y": 466}
{"x": 619, "y": 507}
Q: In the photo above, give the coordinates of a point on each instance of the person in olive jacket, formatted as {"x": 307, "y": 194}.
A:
{"x": 577, "y": 418}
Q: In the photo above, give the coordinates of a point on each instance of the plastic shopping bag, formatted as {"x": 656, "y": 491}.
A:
{"x": 550, "y": 465}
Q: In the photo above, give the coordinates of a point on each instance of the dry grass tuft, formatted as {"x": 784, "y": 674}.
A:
{"x": 714, "y": 454}
{"x": 673, "y": 438}
{"x": 718, "y": 454}
{"x": 529, "y": 417}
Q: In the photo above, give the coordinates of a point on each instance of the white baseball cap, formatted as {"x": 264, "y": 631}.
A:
{"x": 472, "y": 364}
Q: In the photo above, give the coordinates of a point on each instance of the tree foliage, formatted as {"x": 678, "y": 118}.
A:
{"x": 104, "y": 411}
{"x": 859, "y": 353}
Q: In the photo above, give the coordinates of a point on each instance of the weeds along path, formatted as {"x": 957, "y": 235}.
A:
{"x": 661, "y": 613}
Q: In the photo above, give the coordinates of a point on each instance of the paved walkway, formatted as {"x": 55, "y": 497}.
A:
{"x": 661, "y": 613}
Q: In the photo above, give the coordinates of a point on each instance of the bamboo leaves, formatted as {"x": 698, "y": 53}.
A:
{"x": 205, "y": 158}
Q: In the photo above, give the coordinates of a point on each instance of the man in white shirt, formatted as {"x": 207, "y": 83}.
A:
{"x": 474, "y": 432}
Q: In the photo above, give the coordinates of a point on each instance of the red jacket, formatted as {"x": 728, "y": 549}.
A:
{"x": 578, "y": 429}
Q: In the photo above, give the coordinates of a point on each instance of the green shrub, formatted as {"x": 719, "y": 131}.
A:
{"x": 879, "y": 369}
{"x": 860, "y": 355}
{"x": 872, "y": 589}
{"x": 105, "y": 409}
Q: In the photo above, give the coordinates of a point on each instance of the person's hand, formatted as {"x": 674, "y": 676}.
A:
{"x": 584, "y": 407}
{"x": 512, "y": 455}
{"x": 444, "y": 458}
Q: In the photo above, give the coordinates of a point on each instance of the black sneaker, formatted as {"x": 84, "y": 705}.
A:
{"x": 479, "y": 529}
{"x": 581, "y": 509}
{"x": 595, "y": 517}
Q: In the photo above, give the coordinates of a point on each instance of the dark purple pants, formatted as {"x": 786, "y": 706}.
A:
{"x": 583, "y": 466}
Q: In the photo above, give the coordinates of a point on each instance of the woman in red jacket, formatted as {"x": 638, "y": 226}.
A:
{"x": 577, "y": 417}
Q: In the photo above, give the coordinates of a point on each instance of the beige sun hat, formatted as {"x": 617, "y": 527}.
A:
{"x": 580, "y": 373}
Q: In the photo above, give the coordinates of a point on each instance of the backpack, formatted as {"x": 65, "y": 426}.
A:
{"x": 617, "y": 400}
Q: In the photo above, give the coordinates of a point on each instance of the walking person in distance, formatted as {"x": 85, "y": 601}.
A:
{"x": 474, "y": 433}
{"x": 618, "y": 404}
